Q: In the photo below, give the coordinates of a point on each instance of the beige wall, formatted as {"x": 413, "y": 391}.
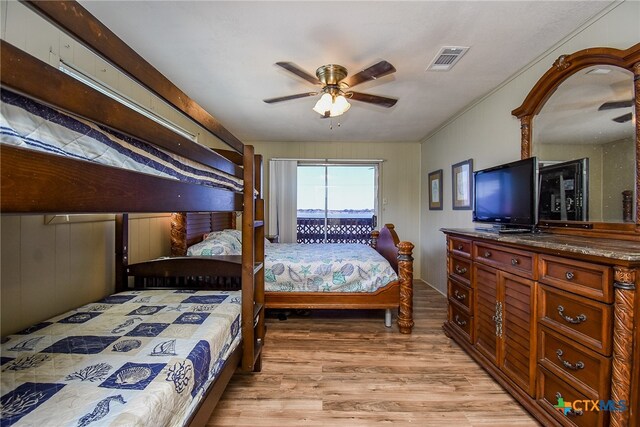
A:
{"x": 400, "y": 177}
{"x": 48, "y": 269}
{"x": 490, "y": 135}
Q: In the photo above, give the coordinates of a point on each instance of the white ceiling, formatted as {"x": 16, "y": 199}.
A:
{"x": 222, "y": 54}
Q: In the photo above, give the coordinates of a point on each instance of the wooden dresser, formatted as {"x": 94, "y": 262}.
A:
{"x": 554, "y": 319}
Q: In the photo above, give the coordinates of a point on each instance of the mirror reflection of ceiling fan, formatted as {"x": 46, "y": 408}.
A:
{"x": 335, "y": 87}
{"x": 618, "y": 104}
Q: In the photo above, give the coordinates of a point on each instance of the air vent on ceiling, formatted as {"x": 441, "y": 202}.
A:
{"x": 447, "y": 58}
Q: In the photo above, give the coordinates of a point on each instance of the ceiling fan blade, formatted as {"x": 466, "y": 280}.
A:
{"x": 615, "y": 104}
{"x": 623, "y": 118}
{"x": 380, "y": 69}
{"x": 287, "y": 98}
{"x": 372, "y": 99}
{"x": 293, "y": 68}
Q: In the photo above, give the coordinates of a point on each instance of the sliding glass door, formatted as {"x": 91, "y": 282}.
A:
{"x": 337, "y": 203}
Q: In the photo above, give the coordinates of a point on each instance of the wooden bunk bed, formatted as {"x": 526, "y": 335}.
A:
{"x": 188, "y": 229}
{"x": 38, "y": 182}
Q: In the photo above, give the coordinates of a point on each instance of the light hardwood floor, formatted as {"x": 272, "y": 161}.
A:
{"x": 346, "y": 369}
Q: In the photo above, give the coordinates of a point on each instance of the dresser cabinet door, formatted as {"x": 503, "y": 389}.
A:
{"x": 486, "y": 281}
{"x": 518, "y": 335}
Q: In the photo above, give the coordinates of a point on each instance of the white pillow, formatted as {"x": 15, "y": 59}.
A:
{"x": 213, "y": 246}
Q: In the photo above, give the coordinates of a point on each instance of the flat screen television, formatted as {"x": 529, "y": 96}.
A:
{"x": 506, "y": 195}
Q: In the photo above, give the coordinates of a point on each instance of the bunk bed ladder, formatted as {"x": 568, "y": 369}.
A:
{"x": 253, "y": 329}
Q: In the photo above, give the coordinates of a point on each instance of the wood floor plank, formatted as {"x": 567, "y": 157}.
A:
{"x": 333, "y": 368}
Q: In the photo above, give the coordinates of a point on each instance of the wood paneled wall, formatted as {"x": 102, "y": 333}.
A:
{"x": 48, "y": 269}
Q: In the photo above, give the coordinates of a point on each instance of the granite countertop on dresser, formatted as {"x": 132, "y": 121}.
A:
{"x": 624, "y": 250}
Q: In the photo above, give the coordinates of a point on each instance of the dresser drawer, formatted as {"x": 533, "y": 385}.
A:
{"x": 512, "y": 260}
{"x": 460, "y": 247}
{"x": 581, "y": 319}
{"x": 582, "y": 368}
{"x": 551, "y": 389}
{"x": 460, "y": 294}
{"x": 461, "y": 320}
{"x": 460, "y": 269}
{"x": 586, "y": 279}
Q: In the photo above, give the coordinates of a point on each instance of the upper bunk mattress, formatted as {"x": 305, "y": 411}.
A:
{"x": 29, "y": 124}
{"x": 137, "y": 358}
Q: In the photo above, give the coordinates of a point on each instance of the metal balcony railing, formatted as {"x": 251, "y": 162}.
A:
{"x": 338, "y": 230}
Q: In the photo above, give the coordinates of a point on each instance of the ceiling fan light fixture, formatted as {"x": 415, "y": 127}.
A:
{"x": 340, "y": 106}
{"x": 324, "y": 104}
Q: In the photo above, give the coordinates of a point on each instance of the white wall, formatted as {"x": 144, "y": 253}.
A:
{"x": 490, "y": 135}
{"x": 400, "y": 183}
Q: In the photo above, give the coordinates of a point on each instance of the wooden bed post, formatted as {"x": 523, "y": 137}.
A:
{"x": 178, "y": 234}
{"x": 405, "y": 272}
{"x": 374, "y": 239}
{"x": 122, "y": 252}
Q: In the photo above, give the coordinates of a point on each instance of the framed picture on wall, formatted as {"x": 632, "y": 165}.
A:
{"x": 461, "y": 174}
{"x": 435, "y": 190}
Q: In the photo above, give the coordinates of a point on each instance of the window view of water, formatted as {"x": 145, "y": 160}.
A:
{"x": 344, "y": 195}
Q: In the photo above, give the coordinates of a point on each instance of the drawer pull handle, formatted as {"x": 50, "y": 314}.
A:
{"x": 514, "y": 261}
{"x": 578, "y": 319}
{"x": 459, "y": 296}
{"x": 487, "y": 254}
{"x": 571, "y": 412}
{"x": 569, "y": 275}
{"x": 460, "y": 270}
{"x": 460, "y": 322}
{"x": 460, "y": 247}
{"x": 578, "y": 365}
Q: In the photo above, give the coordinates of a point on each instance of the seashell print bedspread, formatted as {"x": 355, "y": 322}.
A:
{"x": 333, "y": 267}
{"x": 137, "y": 358}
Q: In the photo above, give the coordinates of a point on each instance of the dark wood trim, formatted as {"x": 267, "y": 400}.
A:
{"x": 386, "y": 243}
{"x": 248, "y": 260}
{"x": 224, "y": 266}
{"x": 35, "y": 182}
{"x": 122, "y": 252}
{"x": 563, "y": 68}
{"x": 66, "y": 93}
{"x": 75, "y": 20}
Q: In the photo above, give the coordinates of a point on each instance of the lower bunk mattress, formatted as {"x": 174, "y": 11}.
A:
{"x": 136, "y": 358}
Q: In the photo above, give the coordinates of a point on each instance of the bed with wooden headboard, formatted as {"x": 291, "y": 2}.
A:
{"x": 187, "y": 230}
{"x": 193, "y": 337}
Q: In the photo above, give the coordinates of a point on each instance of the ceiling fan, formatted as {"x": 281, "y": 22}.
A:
{"x": 612, "y": 105}
{"x": 335, "y": 87}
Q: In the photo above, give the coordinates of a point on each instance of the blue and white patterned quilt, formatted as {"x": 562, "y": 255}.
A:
{"x": 332, "y": 267}
{"x": 29, "y": 124}
{"x": 137, "y": 358}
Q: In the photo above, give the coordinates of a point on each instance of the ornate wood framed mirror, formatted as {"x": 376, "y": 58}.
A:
{"x": 580, "y": 120}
